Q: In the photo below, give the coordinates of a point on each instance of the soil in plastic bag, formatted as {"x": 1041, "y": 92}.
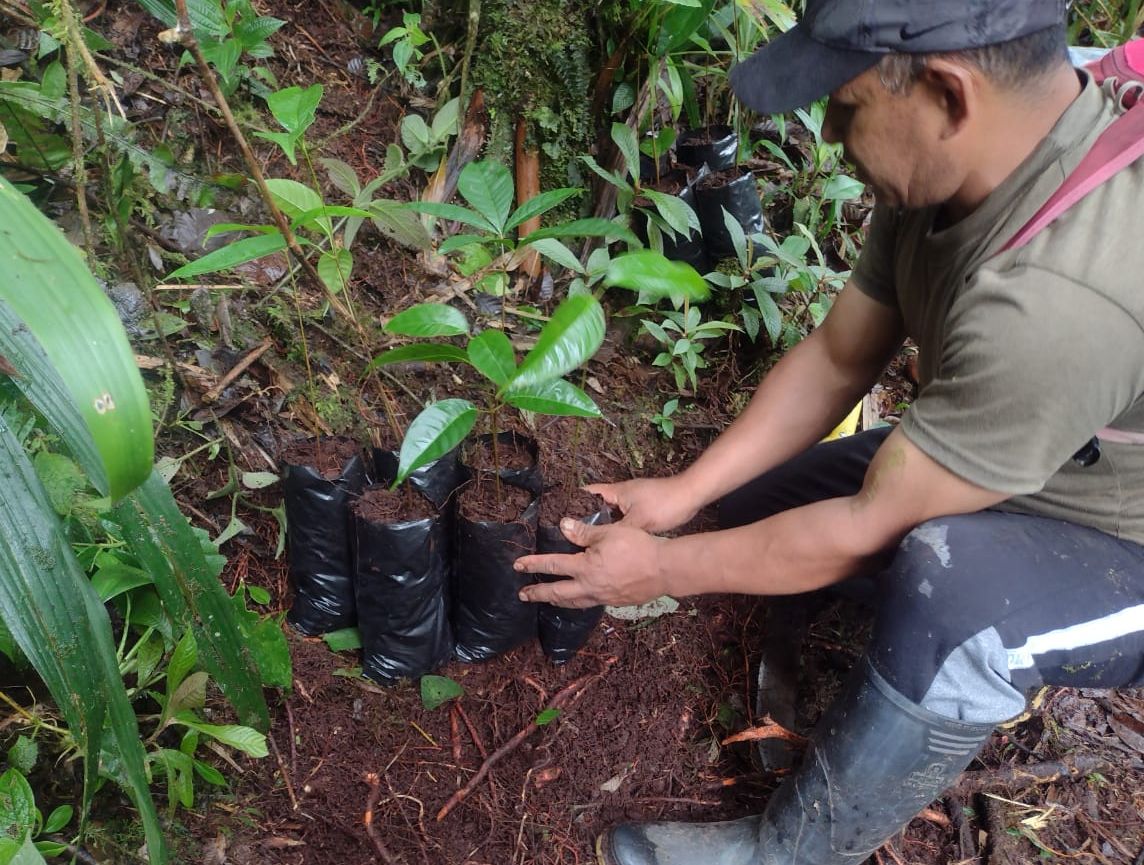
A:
{"x": 690, "y": 250}
{"x": 739, "y": 195}
{"x": 437, "y": 480}
{"x": 322, "y": 477}
{"x": 563, "y": 631}
{"x": 401, "y": 568}
{"x": 492, "y": 532}
{"x": 713, "y": 146}
{"x": 515, "y": 459}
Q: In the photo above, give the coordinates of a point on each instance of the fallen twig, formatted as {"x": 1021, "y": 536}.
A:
{"x": 472, "y": 731}
{"x": 766, "y": 730}
{"x": 371, "y": 801}
{"x": 285, "y": 774}
{"x": 564, "y": 695}
{"x": 967, "y": 846}
{"x": 235, "y": 371}
{"x": 1017, "y": 777}
{"x": 455, "y": 733}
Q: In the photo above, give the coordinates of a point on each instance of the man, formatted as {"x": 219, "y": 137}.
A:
{"x": 1012, "y": 564}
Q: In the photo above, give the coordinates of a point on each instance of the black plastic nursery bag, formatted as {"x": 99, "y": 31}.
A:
{"x": 740, "y": 197}
{"x": 564, "y": 631}
{"x": 437, "y": 481}
{"x": 713, "y": 146}
{"x": 489, "y": 618}
{"x": 527, "y": 478}
{"x": 318, "y": 534}
{"x": 402, "y": 570}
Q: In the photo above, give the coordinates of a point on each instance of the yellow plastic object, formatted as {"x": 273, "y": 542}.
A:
{"x": 848, "y": 426}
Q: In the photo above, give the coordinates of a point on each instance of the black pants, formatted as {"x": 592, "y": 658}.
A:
{"x": 975, "y": 611}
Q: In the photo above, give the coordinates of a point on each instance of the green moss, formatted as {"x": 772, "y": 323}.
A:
{"x": 533, "y": 59}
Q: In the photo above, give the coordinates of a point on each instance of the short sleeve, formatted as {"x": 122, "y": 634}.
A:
{"x": 1032, "y": 365}
{"x": 874, "y": 271}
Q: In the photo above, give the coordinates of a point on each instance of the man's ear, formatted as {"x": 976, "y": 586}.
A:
{"x": 954, "y": 91}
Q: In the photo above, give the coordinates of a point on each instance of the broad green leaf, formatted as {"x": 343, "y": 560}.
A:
{"x": 446, "y": 119}
{"x": 438, "y": 690}
{"x": 655, "y": 276}
{"x": 539, "y": 205}
{"x": 314, "y": 218}
{"x": 112, "y": 580}
{"x": 27, "y": 853}
{"x": 429, "y": 319}
{"x": 166, "y": 546}
{"x": 455, "y": 212}
{"x": 491, "y": 353}
{"x": 17, "y": 805}
{"x": 552, "y": 248}
{"x": 226, "y": 257}
{"x": 549, "y": 715}
{"x": 267, "y": 644}
{"x": 66, "y": 341}
{"x": 345, "y": 640}
{"x": 23, "y": 755}
{"x": 487, "y": 187}
{"x": 769, "y": 310}
{"x": 342, "y": 176}
{"x": 842, "y": 188}
{"x": 230, "y": 227}
{"x": 286, "y": 141}
{"x": 590, "y": 227}
{"x": 55, "y": 617}
{"x": 183, "y": 660}
{"x": 676, "y": 212}
{"x": 624, "y": 138}
{"x": 608, "y": 176}
{"x": 459, "y": 241}
{"x": 295, "y": 107}
{"x": 210, "y": 774}
{"x": 58, "y": 819}
{"x": 295, "y": 199}
{"x": 244, "y": 739}
{"x": 394, "y": 220}
{"x": 430, "y": 353}
{"x": 436, "y": 431}
{"x": 573, "y": 334}
{"x": 557, "y": 397}
{"x": 206, "y": 17}
{"x": 258, "y": 480}
{"x": 62, "y": 479}
{"x": 334, "y": 267}
{"x": 738, "y": 238}
{"x": 191, "y": 694}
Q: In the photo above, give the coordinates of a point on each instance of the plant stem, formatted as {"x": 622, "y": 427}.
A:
{"x": 78, "y": 164}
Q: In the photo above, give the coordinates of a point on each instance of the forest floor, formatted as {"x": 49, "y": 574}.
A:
{"x": 643, "y": 737}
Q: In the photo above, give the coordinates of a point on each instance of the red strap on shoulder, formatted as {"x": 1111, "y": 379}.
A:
{"x": 1121, "y": 144}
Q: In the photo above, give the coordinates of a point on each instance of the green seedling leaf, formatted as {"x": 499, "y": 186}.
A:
{"x": 436, "y": 431}
{"x": 842, "y": 188}
{"x": 429, "y": 319}
{"x": 490, "y": 352}
{"x": 23, "y": 754}
{"x": 438, "y": 690}
{"x": 286, "y": 142}
{"x": 210, "y": 774}
{"x": 394, "y": 220}
{"x": 312, "y": 218}
{"x": 547, "y": 717}
{"x": 58, "y": 819}
{"x": 539, "y": 205}
{"x": 608, "y": 176}
{"x": 244, "y": 739}
{"x": 239, "y": 252}
{"x": 676, "y": 212}
{"x": 459, "y": 241}
{"x": 297, "y": 199}
{"x": 431, "y": 353}
{"x": 557, "y": 397}
{"x": 342, "y": 176}
{"x": 590, "y": 227}
{"x": 228, "y": 227}
{"x": 655, "y": 276}
{"x": 258, "y": 595}
{"x": 625, "y": 140}
{"x": 233, "y": 529}
{"x": 295, "y": 107}
{"x": 552, "y": 248}
{"x": 345, "y": 640}
{"x": 738, "y": 238}
{"x": 573, "y": 334}
{"x": 113, "y": 580}
{"x": 487, "y": 187}
{"x": 258, "y": 480}
{"x": 771, "y": 315}
{"x": 335, "y": 267}
{"x": 454, "y": 212}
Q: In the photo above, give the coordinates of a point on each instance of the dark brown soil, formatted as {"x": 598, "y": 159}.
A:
{"x": 328, "y": 454}
{"x": 379, "y": 504}
{"x": 561, "y": 501}
{"x": 483, "y": 499}
{"x": 510, "y": 454}
{"x": 719, "y": 179}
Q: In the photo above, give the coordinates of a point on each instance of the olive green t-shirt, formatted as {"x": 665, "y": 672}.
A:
{"x": 1025, "y": 354}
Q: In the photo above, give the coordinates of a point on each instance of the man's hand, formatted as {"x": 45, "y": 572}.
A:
{"x": 620, "y": 565}
{"x": 651, "y": 504}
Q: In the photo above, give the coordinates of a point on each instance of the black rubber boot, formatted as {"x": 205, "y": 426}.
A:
{"x": 876, "y": 760}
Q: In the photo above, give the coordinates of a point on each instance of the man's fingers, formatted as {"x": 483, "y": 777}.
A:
{"x": 607, "y": 492}
{"x": 550, "y": 563}
{"x": 581, "y": 533}
{"x": 565, "y": 593}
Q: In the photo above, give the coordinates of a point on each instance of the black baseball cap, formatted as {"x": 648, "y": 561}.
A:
{"x": 838, "y": 40}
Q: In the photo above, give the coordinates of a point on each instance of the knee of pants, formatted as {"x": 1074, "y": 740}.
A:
{"x": 934, "y": 639}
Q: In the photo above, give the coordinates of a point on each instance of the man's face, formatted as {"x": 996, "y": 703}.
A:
{"x": 895, "y": 141}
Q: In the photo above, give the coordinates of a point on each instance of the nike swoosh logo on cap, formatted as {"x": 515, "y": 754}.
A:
{"x": 908, "y": 34}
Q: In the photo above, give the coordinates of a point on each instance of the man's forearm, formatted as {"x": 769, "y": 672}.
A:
{"x": 796, "y": 551}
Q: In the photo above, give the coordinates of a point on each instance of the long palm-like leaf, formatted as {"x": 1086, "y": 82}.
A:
{"x": 163, "y": 542}
{"x": 46, "y": 284}
{"x": 56, "y": 618}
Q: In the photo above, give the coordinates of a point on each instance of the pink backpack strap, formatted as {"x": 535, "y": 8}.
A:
{"x": 1121, "y": 144}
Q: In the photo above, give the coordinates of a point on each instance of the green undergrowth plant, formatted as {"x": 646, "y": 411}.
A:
{"x": 490, "y": 248}
{"x": 23, "y": 828}
{"x": 76, "y": 452}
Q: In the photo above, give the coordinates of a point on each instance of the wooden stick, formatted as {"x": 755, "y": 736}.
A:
{"x": 238, "y": 369}
{"x": 472, "y": 731}
{"x": 371, "y": 801}
{"x": 285, "y": 774}
{"x": 1018, "y": 777}
{"x": 563, "y": 696}
{"x": 455, "y": 733}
